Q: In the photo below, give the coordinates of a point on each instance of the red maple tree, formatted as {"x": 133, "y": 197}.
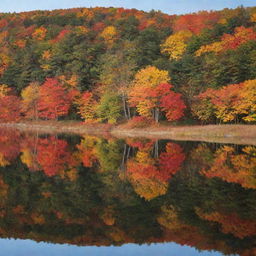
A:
{"x": 54, "y": 100}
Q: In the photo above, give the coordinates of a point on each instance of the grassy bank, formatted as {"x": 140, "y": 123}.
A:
{"x": 74, "y": 127}
{"x": 237, "y": 134}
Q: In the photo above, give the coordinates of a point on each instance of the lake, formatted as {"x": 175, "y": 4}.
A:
{"x": 87, "y": 195}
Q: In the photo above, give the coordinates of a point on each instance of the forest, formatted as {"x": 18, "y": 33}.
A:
{"x": 103, "y": 191}
{"x": 115, "y": 65}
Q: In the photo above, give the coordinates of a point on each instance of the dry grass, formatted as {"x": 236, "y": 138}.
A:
{"x": 74, "y": 127}
{"x": 237, "y": 134}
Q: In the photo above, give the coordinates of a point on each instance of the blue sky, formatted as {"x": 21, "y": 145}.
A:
{"x": 167, "y": 6}
{"x": 28, "y": 247}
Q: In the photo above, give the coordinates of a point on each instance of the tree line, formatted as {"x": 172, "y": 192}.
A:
{"x": 115, "y": 64}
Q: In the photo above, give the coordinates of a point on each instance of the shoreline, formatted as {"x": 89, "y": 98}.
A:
{"x": 234, "y": 134}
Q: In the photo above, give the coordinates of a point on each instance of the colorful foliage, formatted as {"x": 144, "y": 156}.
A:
{"x": 196, "y": 22}
{"x": 150, "y": 176}
{"x": 231, "y": 223}
{"x": 40, "y": 33}
{"x": 228, "y": 103}
{"x": 30, "y": 98}
{"x": 52, "y": 155}
{"x": 229, "y": 42}
{"x": 153, "y": 99}
{"x": 175, "y": 45}
{"x": 87, "y": 106}
{"x": 54, "y": 101}
{"x": 10, "y": 108}
{"x": 109, "y": 34}
{"x": 98, "y": 50}
{"x": 232, "y": 167}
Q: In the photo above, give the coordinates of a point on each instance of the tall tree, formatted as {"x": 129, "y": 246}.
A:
{"x": 30, "y": 98}
{"x": 117, "y": 70}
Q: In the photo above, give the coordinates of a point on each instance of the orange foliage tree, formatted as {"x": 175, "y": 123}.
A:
{"x": 53, "y": 155}
{"x": 10, "y": 146}
{"x": 54, "y": 100}
{"x": 87, "y": 106}
{"x": 10, "y": 105}
{"x": 231, "y": 223}
{"x": 40, "y": 33}
{"x": 196, "y": 22}
{"x": 145, "y": 91}
{"x": 149, "y": 175}
{"x": 229, "y": 42}
{"x": 228, "y": 103}
{"x": 150, "y": 100}
{"x": 109, "y": 34}
{"x": 232, "y": 167}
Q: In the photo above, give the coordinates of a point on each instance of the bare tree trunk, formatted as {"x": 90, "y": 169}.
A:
{"x": 127, "y": 108}
{"x": 36, "y": 110}
{"x": 156, "y": 153}
{"x": 129, "y": 112}
{"x": 123, "y": 159}
{"x": 124, "y": 107}
{"x": 128, "y": 153}
{"x": 157, "y": 115}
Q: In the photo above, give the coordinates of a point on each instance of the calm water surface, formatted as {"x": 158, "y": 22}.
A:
{"x": 72, "y": 195}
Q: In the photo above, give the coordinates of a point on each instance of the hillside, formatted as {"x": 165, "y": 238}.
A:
{"x": 113, "y": 64}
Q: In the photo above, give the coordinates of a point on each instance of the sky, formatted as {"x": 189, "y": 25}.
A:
{"x": 166, "y": 6}
{"x": 27, "y": 247}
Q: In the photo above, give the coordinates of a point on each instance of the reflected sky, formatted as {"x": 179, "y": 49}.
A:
{"x": 28, "y": 247}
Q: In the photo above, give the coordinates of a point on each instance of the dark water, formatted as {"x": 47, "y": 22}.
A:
{"x": 103, "y": 196}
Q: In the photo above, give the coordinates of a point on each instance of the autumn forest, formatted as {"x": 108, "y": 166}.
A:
{"x": 113, "y": 65}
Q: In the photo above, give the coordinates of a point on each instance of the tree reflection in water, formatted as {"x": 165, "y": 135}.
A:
{"x": 103, "y": 191}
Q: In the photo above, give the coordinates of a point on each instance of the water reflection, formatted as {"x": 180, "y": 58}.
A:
{"x": 102, "y": 191}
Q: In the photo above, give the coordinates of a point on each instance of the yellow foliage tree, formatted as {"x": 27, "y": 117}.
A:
{"x": 248, "y": 104}
{"x": 3, "y": 161}
{"x": 87, "y": 13}
{"x": 5, "y": 60}
{"x": 149, "y": 77}
{"x": 233, "y": 167}
{"x": 4, "y": 90}
{"x": 29, "y": 158}
{"x": 253, "y": 17}
{"x": 214, "y": 47}
{"x": 229, "y": 42}
{"x": 169, "y": 218}
{"x": 109, "y": 34}
{"x": 69, "y": 82}
{"x": 39, "y": 33}
{"x": 3, "y": 36}
{"x": 175, "y": 45}
{"x": 149, "y": 188}
{"x": 30, "y": 97}
{"x": 46, "y": 55}
{"x": 82, "y": 30}
{"x": 87, "y": 106}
